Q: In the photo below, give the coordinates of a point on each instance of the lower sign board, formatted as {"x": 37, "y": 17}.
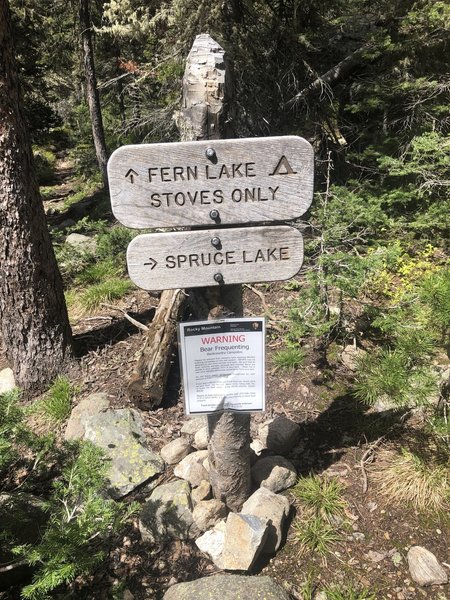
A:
{"x": 187, "y": 259}
{"x": 211, "y": 183}
{"x": 223, "y": 365}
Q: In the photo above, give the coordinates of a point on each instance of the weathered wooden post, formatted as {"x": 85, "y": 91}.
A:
{"x": 208, "y": 184}
{"x": 207, "y": 95}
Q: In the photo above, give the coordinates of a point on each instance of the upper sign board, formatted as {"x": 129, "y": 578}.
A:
{"x": 211, "y": 257}
{"x": 212, "y": 183}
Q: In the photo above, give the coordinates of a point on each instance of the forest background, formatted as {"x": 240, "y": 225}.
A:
{"x": 367, "y": 83}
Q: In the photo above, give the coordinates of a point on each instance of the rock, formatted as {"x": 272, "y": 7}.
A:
{"x": 424, "y": 567}
{"x": 358, "y": 536}
{"x": 375, "y": 556}
{"x": 227, "y": 587}
{"x": 258, "y": 448}
{"x": 194, "y": 424}
{"x": 7, "y": 382}
{"x": 273, "y": 507}
{"x": 22, "y": 518}
{"x": 350, "y": 356}
{"x": 212, "y": 541}
{"x": 92, "y": 405}
{"x": 245, "y": 536}
{"x": 201, "y": 439}
{"x": 202, "y": 492}
{"x": 384, "y": 404}
{"x": 191, "y": 468}
{"x": 279, "y": 435}
{"x": 82, "y": 242}
{"x": 275, "y": 473}
{"x": 208, "y": 512}
{"x": 175, "y": 451}
{"x": 167, "y": 514}
{"x": 119, "y": 432}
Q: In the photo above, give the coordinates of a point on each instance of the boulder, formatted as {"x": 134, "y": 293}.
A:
{"x": 191, "y": 468}
{"x": 202, "y": 492}
{"x": 168, "y": 514}
{"x": 82, "y": 242}
{"x": 22, "y": 518}
{"x": 425, "y": 568}
{"x": 279, "y": 435}
{"x": 175, "y": 451}
{"x": 245, "y": 536}
{"x": 208, "y": 512}
{"x": 212, "y": 541}
{"x": 273, "y": 507}
{"x": 350, "y": 356}
{"x": 275, "y": 473}
{"x": 92, "y": 405}
{"x": 7, "y": 382}
{"x": 227, "y": 587}
{"x": 201, "y": 439}
{"x": 120, "y": 433}
{"x": 194, "y": 424}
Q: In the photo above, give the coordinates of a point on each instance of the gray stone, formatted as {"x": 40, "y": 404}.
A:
{"x": 375, "y": 556}
{"x": 350, "y": 356}
{"x": 227, "y": 587}
{"x": 7, "y": 382}
{"x": 245, "y": 536}
{"x": 22, "y": 517}
{"x": 82, "y": 242}
{"x": 201, "y": 438}
{"x": 92, "y": 405}
{"x": 424, "y": 567}
{"x": 191, "y": 468}
{"x": 175, "y": 451}
{"x": 194, "y": 424}
{"x": 167, "y": 514}
{"x": 208, "y": 512}
{"x": 212, "y": 541}
{"x": 272, "y": 507}
{"x": 202, "y": 492}
{"x": 279, "y": 435}
{"x": 275, "y": 473}
{"x": 120, "y": 434}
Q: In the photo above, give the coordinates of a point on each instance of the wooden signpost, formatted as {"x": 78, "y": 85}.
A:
{"x": 210, "y": 184}
{"x": 218, "y": 182}
{"x": 183, "y": 259}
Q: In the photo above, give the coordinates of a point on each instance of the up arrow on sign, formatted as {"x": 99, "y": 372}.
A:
{"x": 215, "y": 182}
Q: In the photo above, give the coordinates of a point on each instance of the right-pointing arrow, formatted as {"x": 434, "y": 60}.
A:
{"x": 152, "y": 263}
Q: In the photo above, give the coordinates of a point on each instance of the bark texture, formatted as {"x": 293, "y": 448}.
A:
{"x": 92, "y": 96}
{"x": 33, "y": 315}
{"x": 148, "y": 382}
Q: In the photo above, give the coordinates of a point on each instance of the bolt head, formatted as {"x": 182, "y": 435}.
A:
{"x": 215, "y": 241}
{"x": 210, "y": 153}
{"x": 218, "y": 277}
{"x": 214, "y": 214}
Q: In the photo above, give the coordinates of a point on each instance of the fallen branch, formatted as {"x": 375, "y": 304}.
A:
{"x": 137, "y": 324}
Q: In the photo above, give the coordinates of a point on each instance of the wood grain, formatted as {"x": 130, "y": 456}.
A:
{"x": 248, "y": 180}
{"x": 159, "y": 261}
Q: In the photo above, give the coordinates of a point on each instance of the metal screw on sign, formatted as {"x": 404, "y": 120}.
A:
{"x": 210, "y": 153}
{"x": 214, "y": 214}
{"x": 216, "y": 242}
{"x": 218, "y": 277}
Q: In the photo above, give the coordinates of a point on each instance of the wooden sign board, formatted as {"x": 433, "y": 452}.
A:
{"x": 212, "y": 257}
{"x": 211, "y": 183}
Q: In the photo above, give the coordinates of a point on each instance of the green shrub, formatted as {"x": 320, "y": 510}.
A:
{"x": 104, "y": 292}
{"x": 322, "y": 496}
{"x": 81, "y": 520}
{"x": 57, "y": 402}
{"x": 289, "y": 358}
{"x": 113, "y": 244}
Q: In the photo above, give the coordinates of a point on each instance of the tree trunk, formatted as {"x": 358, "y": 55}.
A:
{"x": 34, "y": 321}
{"x": 92, "y": 95}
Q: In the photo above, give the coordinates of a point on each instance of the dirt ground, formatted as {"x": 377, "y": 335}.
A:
{"x": 338, "y": 434}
